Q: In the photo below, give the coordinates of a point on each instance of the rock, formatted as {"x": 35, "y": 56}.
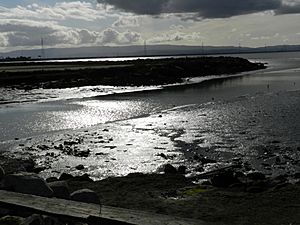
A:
{"x": 80, "y": 167}
{"x": 85, "y": 195}
{"x": 65, "y": 176}
{"x": 85, "y": 153}
{"x": 48, "y": 220}
{"x": 169, "y": 169}
{"x": 34, "y": 220}
{"x": 4, "y": 212}
{"x": 182, "y": 169}
{"x": 11, "y": 220}
{"x": 224, "y": 179}
{"x": 199, "y": 169}
{"x": 162, "y": 155}
{"x": 39, "y": 169}
{"x": 28, "y": 165}
{"x": 84, "y": 177}
{"x": 70, "y": 143}
{"x": 60, "y": 189}
{"x": 28, "y": 183}
{"x": 203, "y": 160}
{"x": 2, "y": 173}
{"x": 256, "y": 176}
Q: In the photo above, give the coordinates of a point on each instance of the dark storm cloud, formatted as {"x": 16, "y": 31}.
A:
{"x": 203, "y": 8}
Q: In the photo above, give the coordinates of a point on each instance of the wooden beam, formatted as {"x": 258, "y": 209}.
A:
{"x": 67, "y": 210}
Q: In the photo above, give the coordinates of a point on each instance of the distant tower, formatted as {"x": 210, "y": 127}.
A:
{"x": 266, "y": 48}
{"x": 145, "y": 48}
{"x": 240, "y": 47}
{"x": 42, "y": 48}
{"x": 202, "y": 48}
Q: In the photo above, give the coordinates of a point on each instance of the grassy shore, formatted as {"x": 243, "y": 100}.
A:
{"x": 128, "y": 73}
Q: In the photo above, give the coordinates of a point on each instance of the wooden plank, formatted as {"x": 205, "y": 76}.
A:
{"x": 77, "y": 211}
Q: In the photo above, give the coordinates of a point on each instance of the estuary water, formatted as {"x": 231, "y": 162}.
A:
{"x": 29, "y": 113}
{"x": 113, "y": 131}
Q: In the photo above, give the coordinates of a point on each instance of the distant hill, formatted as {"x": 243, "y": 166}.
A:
{"x": 138, "y": 50}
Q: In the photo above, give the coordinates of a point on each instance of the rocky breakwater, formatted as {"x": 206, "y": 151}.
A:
{"x": 131, "y": 73}
{"x": 32, "y": 184}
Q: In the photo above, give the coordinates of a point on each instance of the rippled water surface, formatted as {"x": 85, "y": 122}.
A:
{"x": 79, "y": 107}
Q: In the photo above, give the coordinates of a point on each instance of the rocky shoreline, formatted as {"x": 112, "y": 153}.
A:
{"x": 251, "y": 197}
{"x": 128, "y": 73}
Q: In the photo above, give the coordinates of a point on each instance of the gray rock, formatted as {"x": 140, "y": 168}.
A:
{"x": 28, "y": 183}
{"x": 60, "y": 189}
{"x": 11, "y": 220}
{"x": 85, "y": 195}
{"x": 80, "y": 167}
{"x": 65, "y": 176}
{"x": 84, "y": 177}
{"x": 34, "y": 220}
{"x": 48, "y": 220}
{"x": 2, "y": 173}
{"x": 169, "y": 169}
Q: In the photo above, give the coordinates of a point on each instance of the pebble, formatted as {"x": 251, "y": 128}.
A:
{"x": 80, "y": 167}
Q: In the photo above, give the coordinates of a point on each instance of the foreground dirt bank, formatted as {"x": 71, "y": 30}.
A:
{"x": 226, "y": 196}
{"x": 178, "y": 196}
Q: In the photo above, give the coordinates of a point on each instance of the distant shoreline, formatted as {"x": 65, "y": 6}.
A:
{"x": 46, "y": 60}
{"x": 141, "y": 72}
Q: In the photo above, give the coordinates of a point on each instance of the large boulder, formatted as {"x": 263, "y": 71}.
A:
{"x": 85, "y": 195}
{"x": 28, "y": 183}
{"x": 11, "y": 220}
{"x": 60, "y": 189}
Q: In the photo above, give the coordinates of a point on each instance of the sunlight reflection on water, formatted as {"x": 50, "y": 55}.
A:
{"x": 94, "y": 112}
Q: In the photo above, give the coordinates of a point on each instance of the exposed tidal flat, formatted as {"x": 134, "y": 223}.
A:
{"x": 236, "y": 158}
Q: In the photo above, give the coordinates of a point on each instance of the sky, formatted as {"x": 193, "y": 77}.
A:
{"x": 75, "y": 23}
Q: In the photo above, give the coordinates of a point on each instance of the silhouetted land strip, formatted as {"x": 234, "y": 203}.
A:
{"x": 128, "y": 73}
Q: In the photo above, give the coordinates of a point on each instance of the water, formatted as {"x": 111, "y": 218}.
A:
{"x": 25, "y": 114}
{"x": 252, "y": 116}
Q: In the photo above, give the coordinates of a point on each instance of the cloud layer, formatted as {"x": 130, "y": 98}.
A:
{"x": 204, "y": 8}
